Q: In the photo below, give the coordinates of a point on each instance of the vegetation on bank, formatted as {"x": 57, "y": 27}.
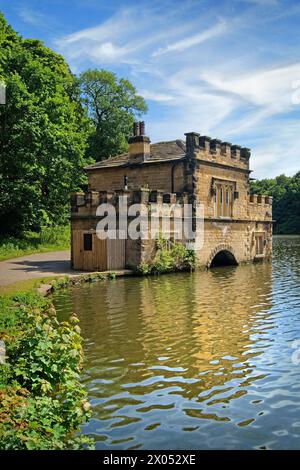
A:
{"x": 48, "y": 239}
{"x": 169, "y": 258}
{"x": 42, "y": 402}
{"x": 286, "y": 201}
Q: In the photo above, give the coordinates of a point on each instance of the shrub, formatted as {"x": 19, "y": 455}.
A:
{"x": 169, "y": 259}
{"x": 42, "y": 400}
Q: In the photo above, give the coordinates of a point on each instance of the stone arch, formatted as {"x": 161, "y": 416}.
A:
{"x": 225, "y": 253}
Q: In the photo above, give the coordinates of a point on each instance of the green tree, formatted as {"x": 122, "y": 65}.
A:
{"x": 43, "y": 134}
{"x": 285, "y": 191}
{"x": 112, "y": 105}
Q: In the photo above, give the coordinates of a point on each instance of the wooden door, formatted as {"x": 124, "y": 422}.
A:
{"x": 115, "y": 254}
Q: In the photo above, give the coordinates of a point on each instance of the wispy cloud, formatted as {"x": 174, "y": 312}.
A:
{"x": 224, "y": 70}
{"x": 32, "y": 17}
{"x": 193, "y": 40}
{"x": 124, "y": 37}
{"x": 153, "y": 96}
{"x": 271, "y": 88}
{"x": 263, "y": 2}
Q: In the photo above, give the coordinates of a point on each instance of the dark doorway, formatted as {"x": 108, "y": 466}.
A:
{"x": 223, "y": 258}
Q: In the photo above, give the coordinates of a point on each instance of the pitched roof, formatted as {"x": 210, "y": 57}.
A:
{"x": 159, "y": 152}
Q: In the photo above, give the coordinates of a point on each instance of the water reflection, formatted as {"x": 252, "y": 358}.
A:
{"x": 198, "y": 360}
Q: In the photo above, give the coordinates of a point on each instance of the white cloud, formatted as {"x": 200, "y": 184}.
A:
{"x": 229, "y": 83}
{"x": 193, "y": 40}
{"x": 101, "y": 43}
{"x": 276, "y": 150}
{"x": 124, "y": 38}
{"x": 156, "y": 96}
{"x": 272, "y": 88}
{"x": 32, "y": 17}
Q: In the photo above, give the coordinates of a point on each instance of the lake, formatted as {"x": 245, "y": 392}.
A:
{"x": 204, "y": 360}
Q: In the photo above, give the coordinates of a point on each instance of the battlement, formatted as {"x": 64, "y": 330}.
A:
{"x": 260, "y": 199}
{"x": 205, "y": 147}
{"x": 260, "y": 207}
{"x": 87, "y": 203}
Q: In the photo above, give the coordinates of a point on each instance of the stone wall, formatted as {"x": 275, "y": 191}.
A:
{"x": 207, "y": 174}
{"x": 152, "y": 175}
{"x": 238, "y": 238}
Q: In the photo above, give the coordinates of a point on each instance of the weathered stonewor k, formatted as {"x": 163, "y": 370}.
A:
{"x": 237, "y": 225}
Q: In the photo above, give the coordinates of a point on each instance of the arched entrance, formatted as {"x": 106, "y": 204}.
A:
{"x": 222, "y": 255}
{"x": 223, "y": 258}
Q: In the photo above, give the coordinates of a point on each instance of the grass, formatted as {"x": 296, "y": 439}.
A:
{"x": 21, "y": 287}
{"x": 59, "y": 281}
{"x": 49, "y": 239}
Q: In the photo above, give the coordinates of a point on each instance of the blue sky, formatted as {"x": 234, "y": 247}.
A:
{"x": 227, "y": 69}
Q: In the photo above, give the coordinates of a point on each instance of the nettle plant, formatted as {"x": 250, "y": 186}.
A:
{"x": 42, "y": 400}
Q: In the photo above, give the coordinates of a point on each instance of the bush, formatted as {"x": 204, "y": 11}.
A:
{"x": 169, "y": 259}
{"x": 42, "y": 400}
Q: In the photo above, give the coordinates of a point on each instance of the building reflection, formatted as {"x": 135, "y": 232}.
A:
{"x": 193, "y": 332}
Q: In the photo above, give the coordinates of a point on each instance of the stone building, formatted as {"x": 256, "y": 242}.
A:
{"x": 216, "y": 174}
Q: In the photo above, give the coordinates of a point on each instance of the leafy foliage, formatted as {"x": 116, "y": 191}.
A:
{"x": 52, "y": 126}
{"x": 43, "y": 134}
{"x": 286, "y": 201}
{"x": 112, "y": 104}
{"x": 42, "y": 402}
{"x": 169, "y": 259}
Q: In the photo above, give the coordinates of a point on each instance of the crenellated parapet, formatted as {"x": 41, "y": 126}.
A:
{"x": 206, "y": 148}
{"x": 85, "y": 204}
{"x": 260, "y": 207}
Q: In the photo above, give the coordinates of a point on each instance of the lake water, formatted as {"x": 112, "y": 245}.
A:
{"x": 207, "y": 360}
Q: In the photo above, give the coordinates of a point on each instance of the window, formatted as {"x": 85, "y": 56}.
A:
{"x": 223, "y": 200}
{"x": 88, "y": 242}
{"x": 259, "y": 244}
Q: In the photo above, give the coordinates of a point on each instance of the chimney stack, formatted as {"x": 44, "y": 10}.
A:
{"x": 139, "y": 144}
{"x": 136, "y": 128}
{"x": 142, "y": 128}
{"x": 192, "y": 141}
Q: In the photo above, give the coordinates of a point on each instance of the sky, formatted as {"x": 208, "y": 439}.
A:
{"x": 226, "y": 69}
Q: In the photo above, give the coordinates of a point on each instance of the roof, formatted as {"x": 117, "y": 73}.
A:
{"x": 159, "y": 153}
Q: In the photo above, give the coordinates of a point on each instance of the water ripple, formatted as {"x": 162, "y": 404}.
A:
{"x": 194, "y": 361}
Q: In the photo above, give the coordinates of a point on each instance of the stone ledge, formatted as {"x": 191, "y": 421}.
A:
{"x": 89, "y": 276}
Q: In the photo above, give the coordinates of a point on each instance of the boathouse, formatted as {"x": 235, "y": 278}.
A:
{"x": 200, "y": 170}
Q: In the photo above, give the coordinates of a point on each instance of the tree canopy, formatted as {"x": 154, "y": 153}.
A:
{"x": 286, "y": 201}
{"x": 112, "y": 105}
{"x": 53, "y": 124}
{"x": 43, "y": 134}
